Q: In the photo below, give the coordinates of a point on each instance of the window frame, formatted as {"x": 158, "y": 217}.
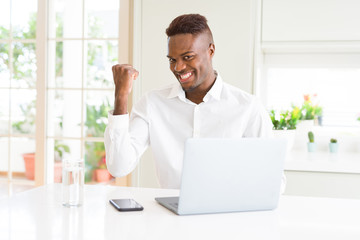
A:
{"x": 44, "y": 166}
{"x": 321, "y": 161}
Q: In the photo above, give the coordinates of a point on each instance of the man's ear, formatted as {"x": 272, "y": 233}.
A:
{"x": 211, "y": 49}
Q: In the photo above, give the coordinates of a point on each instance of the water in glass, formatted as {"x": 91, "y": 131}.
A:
{"x": 73, "y": 182}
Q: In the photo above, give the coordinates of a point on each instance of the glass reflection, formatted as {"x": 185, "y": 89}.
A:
{"x": 72, "y": 223}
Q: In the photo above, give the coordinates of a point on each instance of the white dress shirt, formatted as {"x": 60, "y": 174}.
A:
{"x": 165, "y": 118}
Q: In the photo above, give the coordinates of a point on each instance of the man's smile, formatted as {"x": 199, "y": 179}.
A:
{"x": 185, "y": 77}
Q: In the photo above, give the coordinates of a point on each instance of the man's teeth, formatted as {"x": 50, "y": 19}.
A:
{"x": 185, "y": 75}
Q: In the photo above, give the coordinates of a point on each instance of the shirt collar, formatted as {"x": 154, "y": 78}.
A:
{"x": 176, "y": 91}
{"x": 214, "y": 92}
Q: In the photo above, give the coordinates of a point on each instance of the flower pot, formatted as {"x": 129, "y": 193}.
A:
{"x": 302, "y": 129}
{"x": 311, "y": 146}
{"x": 29, "y": 160}
{"x": 333, "y": 147}
{"x": 289, "y": 135}
{"x": 307, "y": 124}
{"x": 319, "y": 120}
{"x": 102, "y": 175}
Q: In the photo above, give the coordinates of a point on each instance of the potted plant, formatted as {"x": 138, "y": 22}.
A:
{"x": 284, "y": 125}
{"x": 333, "y": 145}
{"x": 309, "y": 110}
{"x": 29, "y": 160}
{"x": 311, "y": 144}
{"x": 26, "y": 126}
{"x": 96, "y": 122}
{"x": 286, "y": 120}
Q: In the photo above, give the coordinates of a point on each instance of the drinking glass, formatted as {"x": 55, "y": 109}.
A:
{"x": 73, "y": 182}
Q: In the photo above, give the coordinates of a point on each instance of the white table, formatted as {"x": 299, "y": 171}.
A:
{"x": 38, "y": 214}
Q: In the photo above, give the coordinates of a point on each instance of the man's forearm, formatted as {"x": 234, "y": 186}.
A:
{"x": 120, "y": 105}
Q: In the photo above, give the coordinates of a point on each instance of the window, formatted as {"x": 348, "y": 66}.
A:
{"x": 17, "y": 85}
{"x": 318, "y": 56}
{"x": 332, "y": 80}
{"x": 82, "y": 43}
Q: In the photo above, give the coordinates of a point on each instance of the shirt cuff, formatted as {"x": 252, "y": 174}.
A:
{"x": 118, "y": 121}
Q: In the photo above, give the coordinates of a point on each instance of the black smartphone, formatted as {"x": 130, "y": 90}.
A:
{"x": 126, "y": 205}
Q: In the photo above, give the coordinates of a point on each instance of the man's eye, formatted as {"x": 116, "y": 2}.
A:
{"x": 171, "y": 60}
{"x": 188, "y": 57}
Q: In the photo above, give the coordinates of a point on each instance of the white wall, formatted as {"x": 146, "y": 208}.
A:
{"x": 232, "y": 25}
{"x": 308, "y": 20}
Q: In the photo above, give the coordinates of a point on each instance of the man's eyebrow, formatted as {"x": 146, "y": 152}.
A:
{"x": 181, "y": 54}
{"x": 186, "y": 53}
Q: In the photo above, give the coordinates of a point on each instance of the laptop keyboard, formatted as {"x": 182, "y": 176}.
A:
{"x": 174, "y": 205}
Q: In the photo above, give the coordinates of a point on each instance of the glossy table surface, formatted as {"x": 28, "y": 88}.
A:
{"x": 38, "y": 214}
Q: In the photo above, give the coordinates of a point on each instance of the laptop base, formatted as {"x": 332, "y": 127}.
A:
{"x": 170, "y": 203}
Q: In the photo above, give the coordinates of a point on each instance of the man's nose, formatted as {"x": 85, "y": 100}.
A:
{"x": 179, "y": 66}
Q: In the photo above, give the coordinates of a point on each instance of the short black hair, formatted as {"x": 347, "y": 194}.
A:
{"x": 188, "y": 23}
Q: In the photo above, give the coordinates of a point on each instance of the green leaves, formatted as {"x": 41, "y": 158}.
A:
{"x": 309, "y": 110}
{"x": 286, "y": 120}
{"x": 96, "y": 122}
{"x": 60, "y": 149}
{"x": 96, "y": 119}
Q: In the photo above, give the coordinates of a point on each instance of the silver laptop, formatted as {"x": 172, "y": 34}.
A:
{"x": 229, "y": 175}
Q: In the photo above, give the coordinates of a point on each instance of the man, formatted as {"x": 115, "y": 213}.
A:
{"x": 200, "y": 104}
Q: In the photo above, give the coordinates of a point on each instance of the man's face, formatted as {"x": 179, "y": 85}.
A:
{"x": 190, "y": 58}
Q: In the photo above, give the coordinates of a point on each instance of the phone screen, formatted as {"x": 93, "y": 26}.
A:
{"x": 126, "y": 205}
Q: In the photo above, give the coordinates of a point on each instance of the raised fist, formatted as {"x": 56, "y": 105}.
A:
{"x": 124, "y": 75}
